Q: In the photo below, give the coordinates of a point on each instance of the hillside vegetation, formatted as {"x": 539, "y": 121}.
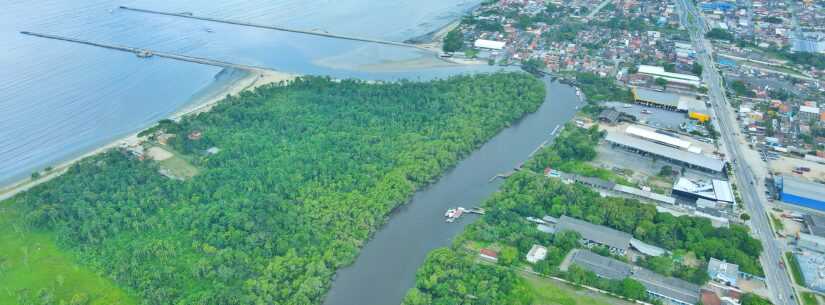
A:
{"x": 305, "y": 173}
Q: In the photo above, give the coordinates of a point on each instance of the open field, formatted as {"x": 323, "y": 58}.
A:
{"x": 785, "y": 166}
{"x": 31, "y": 259}
{"x": 551, "y": 292}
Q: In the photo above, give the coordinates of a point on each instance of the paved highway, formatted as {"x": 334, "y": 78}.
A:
{"x": 778, "y": 281}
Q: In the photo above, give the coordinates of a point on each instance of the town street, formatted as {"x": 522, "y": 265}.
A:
{"x": 778, "y": 281}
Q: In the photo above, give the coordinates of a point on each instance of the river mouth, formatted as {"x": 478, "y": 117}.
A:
{"x": 385, "y": 268}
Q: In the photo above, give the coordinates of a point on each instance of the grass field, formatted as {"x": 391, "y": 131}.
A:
{"x": 809, "y": 298}
{"x": 550, "y": 292}
{"x": 32, "y": 266}
{"x": 796, "y": 272}
{"x": 179, "y": 165}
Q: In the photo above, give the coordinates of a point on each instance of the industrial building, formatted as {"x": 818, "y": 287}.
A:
{"x": 657, "y": 138}
{"x": 489, "y": 44}
{"x": 668, "y": 289}
{"x": 676, "y": 78}
{"x": 812, "y": 266}
{"x": 673, "y": 102}
{"x": 814, "y": 224}
{"x": 617, "y": 241}
{"x": 715, "y": 190}
{"x": 810, "y": 242}
{"x": 676, "y": 156}
{"x": 801, "y": 192}
{"x": 723, "y": 272}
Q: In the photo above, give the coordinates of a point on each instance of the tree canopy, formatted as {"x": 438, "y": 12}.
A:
{"x": 306, "y": 172}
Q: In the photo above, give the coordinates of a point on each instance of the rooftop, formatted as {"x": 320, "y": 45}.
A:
{"x": 655, "y": 70}
{"x": 694, "y": 159}
{"x": 657, "y": 97}
{"x": 657, "y": 137}
{"x": 655, "y": 283}
{"x": 723, "y": 270}
{"x": 815, "y": 224}
{"x": 596, "y": 233}
{"x": 803, "y": 188}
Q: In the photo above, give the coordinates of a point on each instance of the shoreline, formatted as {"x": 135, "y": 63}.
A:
{"x": 196, "y": 105}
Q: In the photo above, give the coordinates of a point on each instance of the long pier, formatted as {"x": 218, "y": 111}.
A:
{"x": 145, "y": 53}
{"x": 277, "y": 28}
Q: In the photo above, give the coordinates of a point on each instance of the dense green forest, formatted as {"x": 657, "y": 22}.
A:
{"x": 305, "y": 173}
{"x": 449, "y": 277}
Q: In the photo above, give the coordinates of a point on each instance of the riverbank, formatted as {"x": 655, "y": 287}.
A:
{"x": 385, "y": 267}
{"x": 218, "y": 90}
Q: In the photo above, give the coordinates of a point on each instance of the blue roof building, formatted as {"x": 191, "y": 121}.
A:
{"x": 722, "y": 6}
{"x": 725, "y": 62}
{"x": 800, "y": 192}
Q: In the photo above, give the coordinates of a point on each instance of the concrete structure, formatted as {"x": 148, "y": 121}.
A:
{"x": 809, "y": 113}
{"x": 669, "y": 290}
{"x": 657, "y": 138}
{"x": 644, "y": 195}
{"x": 814, "y": 224}
{"x": 801, "y": 192}
{"x": 673, "y": 155}
{"x": 812, "y": 266}
{"x": 723, "y": 272}
{"x": 811, "y": 243}
{"x": 489, "y": 44}
{"x": 537, "y": 253}
{"x": 275, "y": 28}
{"x": 647, "y": 249}
{"x": 617, "y": 241}
{"x": 715, "y": 190}
{"x": 677, "y": 78}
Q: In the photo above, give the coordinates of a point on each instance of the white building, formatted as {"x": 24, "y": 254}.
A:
{"x": 490, "y": 44}
{"x": 537, "y": 253}
{"x": 677, "y": 78}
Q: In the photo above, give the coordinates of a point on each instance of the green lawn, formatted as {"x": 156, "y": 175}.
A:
{"x": 30, "y": 262}
{"x": 809, "y": 299}
{"x": 550, "y": 292}
{"x": 179, "y": 167}
{"x": 795, "y": 270}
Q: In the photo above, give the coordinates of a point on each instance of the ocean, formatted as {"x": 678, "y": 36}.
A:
{"x": 59, "y": 100}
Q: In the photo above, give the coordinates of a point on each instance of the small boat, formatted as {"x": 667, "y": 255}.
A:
{"x": 627, "y": 106}
{"x": 449, "y": 213}
{"x": 208, "y": 30}
{"x": 645, "y": 111}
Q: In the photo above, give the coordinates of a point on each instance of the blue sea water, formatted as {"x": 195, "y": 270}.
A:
{"x": 59, "y": 100}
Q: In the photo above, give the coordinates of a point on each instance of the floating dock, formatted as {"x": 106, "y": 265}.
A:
{"x": 147, "y": 53}
{"x": 276, "y": 28}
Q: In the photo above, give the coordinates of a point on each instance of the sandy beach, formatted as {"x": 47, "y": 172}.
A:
{"x": 252, "y": 80}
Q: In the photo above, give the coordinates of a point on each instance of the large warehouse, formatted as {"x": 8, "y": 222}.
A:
{"x": 673, "y": 155}
{"x": 801, "y": 192}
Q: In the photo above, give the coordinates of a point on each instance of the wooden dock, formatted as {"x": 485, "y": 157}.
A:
{"x": 277, "y": 28}
{"x": 147, "y": 53}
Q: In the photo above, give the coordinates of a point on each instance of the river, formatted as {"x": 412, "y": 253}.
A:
{"x": 59, "y": 100}
{"x": 386, "y": 266}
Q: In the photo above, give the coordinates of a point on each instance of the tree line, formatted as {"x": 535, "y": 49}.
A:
{"x": 306, "y": 172}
